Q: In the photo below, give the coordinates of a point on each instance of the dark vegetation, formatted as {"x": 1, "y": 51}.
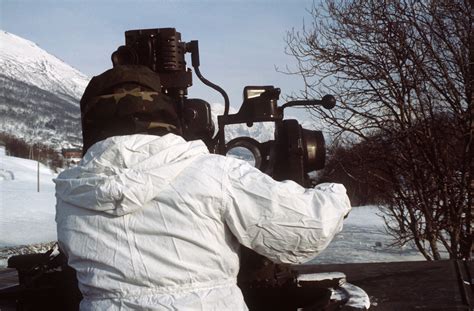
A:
{"x": 17, "y": 147}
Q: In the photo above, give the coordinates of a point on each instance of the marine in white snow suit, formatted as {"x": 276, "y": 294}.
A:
{"x": 154, "y": 222}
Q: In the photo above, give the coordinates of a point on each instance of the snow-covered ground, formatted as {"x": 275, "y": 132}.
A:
{"x": 363, "y": 239}
{"x": 27, "y": 217}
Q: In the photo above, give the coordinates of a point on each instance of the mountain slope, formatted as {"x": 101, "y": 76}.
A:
{"x": 39, "y": 94}
{"x": 36, "y": 115}
{"x": 24, "y": 61}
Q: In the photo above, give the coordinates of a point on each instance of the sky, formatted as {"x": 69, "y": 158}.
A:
{"x": 242, "y": 42}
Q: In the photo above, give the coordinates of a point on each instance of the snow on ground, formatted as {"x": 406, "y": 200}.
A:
{"x": 363, "y": 239}
{"x": 27, "y": 217}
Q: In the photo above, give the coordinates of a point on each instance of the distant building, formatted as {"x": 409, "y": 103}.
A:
{"x": 69, "y": 153}
{"x": 72, "y": 155}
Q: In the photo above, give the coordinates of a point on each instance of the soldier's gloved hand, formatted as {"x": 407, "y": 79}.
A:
{"x": 340, "y": 190}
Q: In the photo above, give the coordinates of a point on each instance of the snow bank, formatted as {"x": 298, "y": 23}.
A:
{"x": 27, "y": 216}
{"x": 364, "y": 239}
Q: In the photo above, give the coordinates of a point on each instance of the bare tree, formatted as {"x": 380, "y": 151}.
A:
{"x": 400, "y": 70}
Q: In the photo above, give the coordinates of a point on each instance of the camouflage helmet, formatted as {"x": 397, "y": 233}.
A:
{"x": 126, "y": 100}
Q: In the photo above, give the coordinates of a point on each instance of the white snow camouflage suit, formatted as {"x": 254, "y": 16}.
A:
{"x": 154, "y": 223}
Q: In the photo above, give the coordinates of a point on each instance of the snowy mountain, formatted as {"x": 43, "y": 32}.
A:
{"x": 24, "y": 61}
{"x": 39, "y": 94}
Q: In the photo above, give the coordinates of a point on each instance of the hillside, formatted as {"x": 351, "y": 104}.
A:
{"x": 33, "y": 114}
{"x": 39, "y": 94}
{"x": 24, "y": 61}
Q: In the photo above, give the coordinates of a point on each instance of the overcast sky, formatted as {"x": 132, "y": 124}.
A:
{"x": 241, "y": 41}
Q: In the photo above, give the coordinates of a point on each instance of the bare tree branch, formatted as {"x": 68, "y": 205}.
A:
{"x": 400, "y": 72}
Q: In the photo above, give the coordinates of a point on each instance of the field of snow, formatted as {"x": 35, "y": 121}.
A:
{"x": 363, "y": 239}
{"x": 27, "y": 217}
